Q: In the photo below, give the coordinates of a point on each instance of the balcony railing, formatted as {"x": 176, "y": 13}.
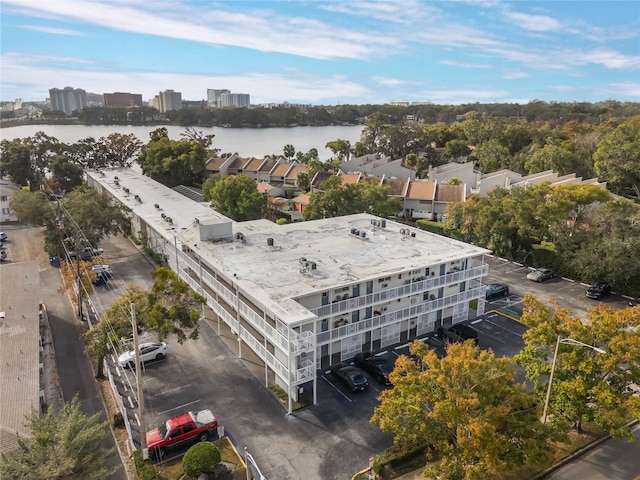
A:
{"x": 371, "y": 299}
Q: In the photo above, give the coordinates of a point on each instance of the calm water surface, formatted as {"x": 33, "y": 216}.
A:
{"x": 247, "y": 142}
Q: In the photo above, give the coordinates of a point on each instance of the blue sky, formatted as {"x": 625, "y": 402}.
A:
{"x": 325, "y": 52}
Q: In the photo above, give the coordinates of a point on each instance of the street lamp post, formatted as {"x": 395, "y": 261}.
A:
{"x": 568, "y": 341}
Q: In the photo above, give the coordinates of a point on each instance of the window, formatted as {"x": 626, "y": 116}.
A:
{"x": 5, "y": 211}
{"x": 3, "y": 198}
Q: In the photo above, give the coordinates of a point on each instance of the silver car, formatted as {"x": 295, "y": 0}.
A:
{"x": 541, "y": 274}
{"x": 148, "y": 351}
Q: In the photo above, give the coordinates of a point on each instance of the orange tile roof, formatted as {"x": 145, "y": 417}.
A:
{"x": 254, "y": 164}
{"x": 450, "y": 193}
{"x": 264, "y": 187}
{"x": 348, "y": 178}
{"x": 237, "y": 163}
{"x": 302, "y": 199}
{"x": 396, "y": 185}
{"x": 268, "y": 165}
{"x": 281, "y": 170}
{"x": 215, "y": 164}
{"x": 419, "y": 190}
{"x": 293, "y": 173}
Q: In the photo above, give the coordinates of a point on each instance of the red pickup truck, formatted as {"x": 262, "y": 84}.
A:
{"x": 178, "y": 431}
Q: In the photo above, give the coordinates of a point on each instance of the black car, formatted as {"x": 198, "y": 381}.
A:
{"x": 379, "y": 367}
{"x": 352, "y": 376}
{"x": 496, "y": 290}
{"x": 457, "y": 333}
{"x": 598, "y": 290}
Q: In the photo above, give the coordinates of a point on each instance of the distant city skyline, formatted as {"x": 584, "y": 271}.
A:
{"x": 326, "y": 52}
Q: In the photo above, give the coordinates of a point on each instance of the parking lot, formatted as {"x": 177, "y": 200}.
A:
{"x": 332, "y": 439}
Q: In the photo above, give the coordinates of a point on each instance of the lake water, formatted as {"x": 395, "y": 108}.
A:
{"x": 247, "y": 142}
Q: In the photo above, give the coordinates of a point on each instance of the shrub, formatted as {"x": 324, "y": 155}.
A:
{"x": 200, "y": 458}
{"x": 144, "y": 468}
{"x": 281, "y": 221}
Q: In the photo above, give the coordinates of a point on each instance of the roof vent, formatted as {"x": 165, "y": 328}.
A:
{"x": 169, "y": 220}
{"x": 163, "y": 215}
{"x": 270, "y": 242}
{"x": 156, "y": 205}
{"x": 363, "y": 234}
{"x": 116, "y": 178}
{"x": 196, "y": 220}
{"x": 383, "y": 223}
{"x": 240, "y": 237}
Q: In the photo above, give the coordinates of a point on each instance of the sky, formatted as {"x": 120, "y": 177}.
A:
{"x": 325, "y": 52}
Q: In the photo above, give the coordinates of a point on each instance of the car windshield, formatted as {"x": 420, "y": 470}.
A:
{"x": 163, "y": 430}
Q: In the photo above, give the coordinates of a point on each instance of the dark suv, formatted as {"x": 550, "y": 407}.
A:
{"x": 598, "y": 290}
{"x": 379, "y": 367}
{"x": 351, "y": 376}
{"x": 496, "y": 290}
{"x": 457, "y": 333}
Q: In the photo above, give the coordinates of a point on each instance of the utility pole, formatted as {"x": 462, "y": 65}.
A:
{"x": 138, "y": 374}
{"x": 77, "y": 245}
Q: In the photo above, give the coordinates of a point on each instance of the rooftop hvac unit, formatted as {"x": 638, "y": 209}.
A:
{"x": 413, "y": 234}
{"x": 363, "y": 234}
{"x": 303, "y": 260}
{"x": 169, "y": 219}
{"x": 125, "y": 189}
{"x": 383, "y": 223}
{"x": 402, "y": 231}
{"x": 270, "y": 242}
{"x": 239, "y": 236}
{"x": 116, "y": 182}
{"x": 314, "y": 266}
{"x": 163, "y": 215}
{"x": 353, "y": 231}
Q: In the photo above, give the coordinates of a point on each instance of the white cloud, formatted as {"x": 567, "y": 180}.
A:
{"x": 32, "y": 74}
{"x": 455, "y": 63}
{"x": 55, "y": 31}
{"x": 404, "y": 12}
{"x": 514, "y": 74}
{"x": 455, "y": 97}
{"x": 388, "y": 82}
{"x": 608, "y": 58}
{"x": 534, "y": 23}
{"x": 261, "y": 30}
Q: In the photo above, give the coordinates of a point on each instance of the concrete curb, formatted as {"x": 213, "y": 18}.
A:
{"x": 575, "y": 455}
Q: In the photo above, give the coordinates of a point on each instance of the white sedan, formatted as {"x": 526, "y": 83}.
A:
{"x": 101, "y": 269}
{"x": 148, "y": 351}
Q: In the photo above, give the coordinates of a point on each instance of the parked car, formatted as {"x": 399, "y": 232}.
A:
{"x": 101, "y": 279}
{"x": 379, "y": 367}
{"x": 148, "y": 351}
{"x": 496, "y": 290}
{"x": 86, "y": 253}
{"x": 598, "y": 290}
{"x": 540, "y": 275}
{"x": 457, "y": 333}
{"x": 101, "y": 269}
{"x": 178, "y": 431}
{"x": 351, "y": 376}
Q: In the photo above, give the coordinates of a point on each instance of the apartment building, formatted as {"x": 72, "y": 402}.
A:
{"x": 213, "y": 97}
{"x": 304, "y": 296}
{"x": 122, "y": 99}
{"x": 235, "y": 100}
{"x": 67, "y": 100}
{"x": 167, "y": 101}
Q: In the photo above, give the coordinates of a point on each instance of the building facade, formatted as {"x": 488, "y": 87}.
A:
{"x": 304, "y": 296}
{"x": 7, "y": 189}
{"x": 168, "y": 101}
{"x": 122, "y": 99}
{"x": 235, "y": 100}
{"x": 213, "y": 97}
{"x": 67, "y": 100}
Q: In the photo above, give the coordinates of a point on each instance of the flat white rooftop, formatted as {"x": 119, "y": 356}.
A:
{"x": 274, "y": 274}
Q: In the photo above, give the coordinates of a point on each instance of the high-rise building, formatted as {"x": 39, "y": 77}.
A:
{"x": 169, "y": 100}
{"x": 123, "y": 99}
{"x": 234, "y": 100}
{"x": 67, "y": 100}
{"x": 213, "y": 97}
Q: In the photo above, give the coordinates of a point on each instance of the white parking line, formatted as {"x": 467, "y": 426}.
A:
{"x": 175, "y": 389}
{"x": 179, "y": 407}
{"x": 336, "y": 389}
{"x": 503, "y": 328}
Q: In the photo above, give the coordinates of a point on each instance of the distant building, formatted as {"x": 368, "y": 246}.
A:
{"x": 122, "y": 99}
{"x": 235, "y": 100}
{"x": 7, "y": 189}
{"x": 213, "y": 97}
{"x": 67, "y": 100}
{"x": 167, "y": 101}
{"x": 226, "y": 99}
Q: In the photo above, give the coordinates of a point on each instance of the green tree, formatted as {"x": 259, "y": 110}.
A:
{"x": 336, "y": 200}
{"x": 553, "y": 157}
{"x": 457, "y": 148}
{"x": 303, "y": 182}
{"x": 587, "y": 386}
{"x": 200, "y": 458}
{"x": 173, "y": 162}
{"x": 289, "y": 151}
{"x": 31, "y": 208}
{"x": 491, "y": 155}
{"x": 617, "y": 158}
{"x": 121, "y": 149}
{"x": 66, "y": 445}
{"x": 66, "y": 173}
{"x": 208, "y": 185}
{"x": 340, "y": 148}
{"x": 467, "y": 407}
{"x": 15, "y": 161}
{"x": 453, "y": 181}
{"x": 237, "y": 197}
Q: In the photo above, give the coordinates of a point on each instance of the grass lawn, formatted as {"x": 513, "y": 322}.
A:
{"x": 172, "y": 469}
